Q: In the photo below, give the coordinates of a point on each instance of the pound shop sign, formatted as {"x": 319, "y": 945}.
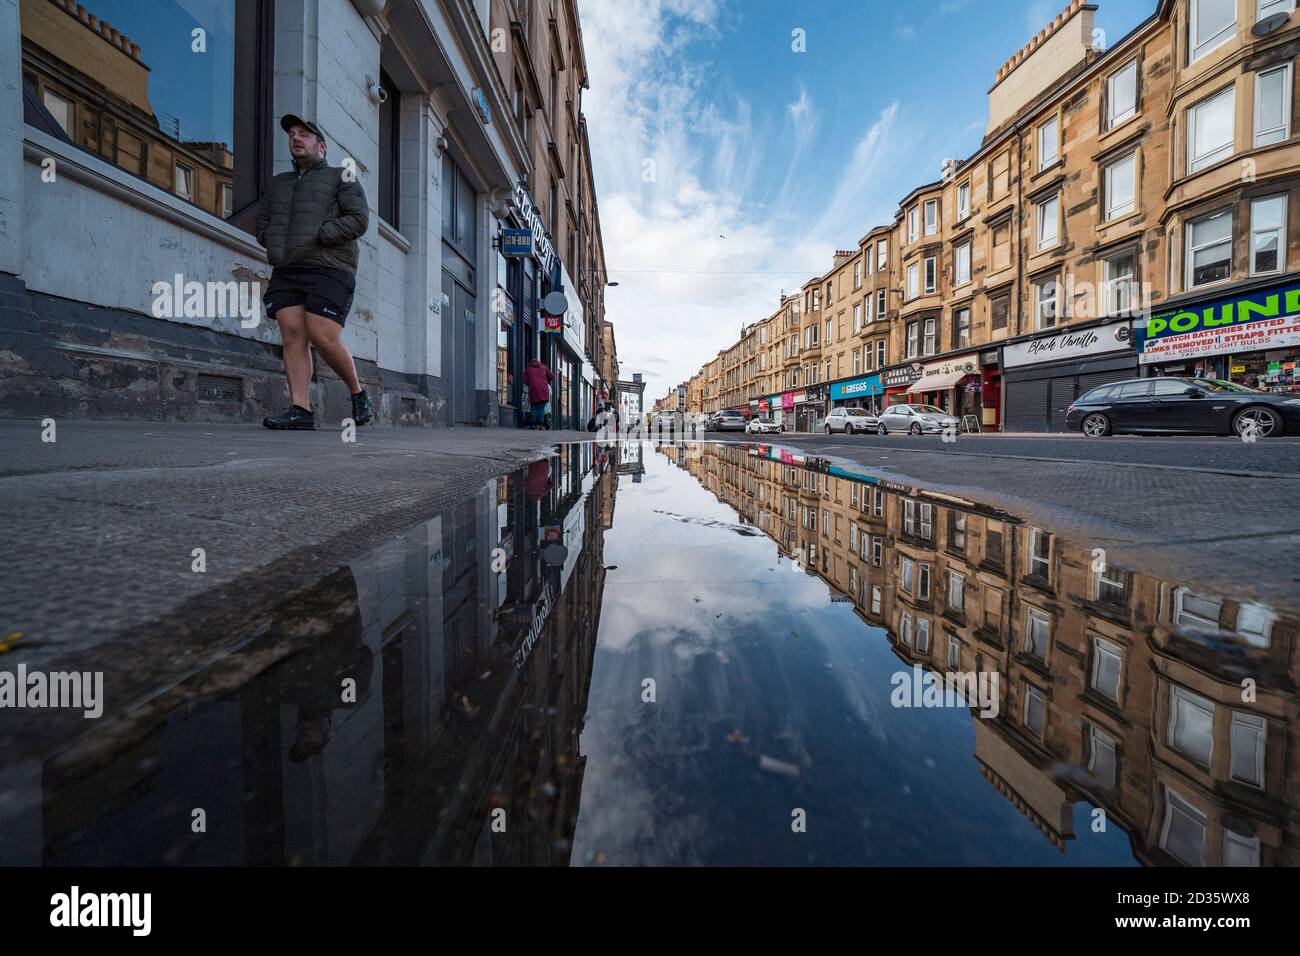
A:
{"x": 1268, "y": 319}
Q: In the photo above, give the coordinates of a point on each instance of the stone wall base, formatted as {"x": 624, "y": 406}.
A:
{"x": 67, "y": 359}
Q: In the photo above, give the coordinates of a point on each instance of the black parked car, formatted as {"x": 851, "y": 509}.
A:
{"x": 726, "y": 421}
{"x": 1198, "y": 405}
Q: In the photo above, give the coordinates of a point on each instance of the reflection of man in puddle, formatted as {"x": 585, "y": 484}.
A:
{"x": 329, "y": 628}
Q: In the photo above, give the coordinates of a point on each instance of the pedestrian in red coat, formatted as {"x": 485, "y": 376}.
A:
{"x": 537, "y": 378}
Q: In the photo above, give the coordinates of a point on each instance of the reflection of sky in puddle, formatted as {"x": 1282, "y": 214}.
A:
{"x": 753, "y": 660}
{"x": 482, "y": 689}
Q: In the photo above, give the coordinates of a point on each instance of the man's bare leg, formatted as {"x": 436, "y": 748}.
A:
{"x": 326, "y": 338}
{"x": 297, "y": 355}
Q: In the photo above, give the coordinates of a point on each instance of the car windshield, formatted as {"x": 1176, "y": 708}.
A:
{"x": 860, "y": 412}
{"x": 1215, "y": 385}
{"x": 928, "y": 410}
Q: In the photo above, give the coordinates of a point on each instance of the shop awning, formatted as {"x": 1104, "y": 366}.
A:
{"x": 936, "y": 381}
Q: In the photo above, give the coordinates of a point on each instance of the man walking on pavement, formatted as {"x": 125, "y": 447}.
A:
{"x": 310, "y": 221}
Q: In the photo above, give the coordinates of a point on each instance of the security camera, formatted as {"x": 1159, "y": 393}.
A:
{"x": 376, "y": 92}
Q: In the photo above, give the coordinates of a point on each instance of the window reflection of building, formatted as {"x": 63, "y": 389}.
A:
{"x": 1118, "y": 689}
{"x": 95, "y": 83}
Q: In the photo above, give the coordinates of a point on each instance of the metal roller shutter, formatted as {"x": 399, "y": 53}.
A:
{"x": 1026, "y": 409}
{"x": 1088, "y": 382}
{"x": 1062, "y": 395}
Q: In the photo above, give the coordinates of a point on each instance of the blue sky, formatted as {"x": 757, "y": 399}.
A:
{"x": 705, "y": 123}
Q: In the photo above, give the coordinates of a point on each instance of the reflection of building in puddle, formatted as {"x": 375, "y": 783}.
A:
{"x": 471, "y": 655}
{"x": 1171, "y": 710}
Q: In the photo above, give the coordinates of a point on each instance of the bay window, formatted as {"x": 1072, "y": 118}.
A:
{"x": 961, "y": 264}
{"x": 1209, "y": 248}
{"x": 1210, "y": 129}
{"x": 1120, "y": 184}
{"x": 1117, "y": 282}
{"x": 1121, "y": 94}
{"x": 1048, "y": 143}
{"x": 1267, "y": 235}
{"x": 1273, "y": 105}
{"x": 1046, "y": 296}
{"x": 1212, "y": 24}
{"x": 1049, "y": 213}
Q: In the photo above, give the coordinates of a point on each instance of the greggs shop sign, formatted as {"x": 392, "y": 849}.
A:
{"x": 1268, "y": 319}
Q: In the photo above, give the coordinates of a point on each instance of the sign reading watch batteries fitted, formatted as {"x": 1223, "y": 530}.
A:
{"x": 1269, "y": 319}
{"x": 1075, "y": 344}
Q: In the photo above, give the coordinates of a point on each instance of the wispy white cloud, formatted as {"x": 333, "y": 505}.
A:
{"x": 681, "y": 162}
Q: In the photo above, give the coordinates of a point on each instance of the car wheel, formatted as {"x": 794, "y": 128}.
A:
{"x": 826, "y": 429}
{"x": 915, "y": 429}
{"x": 1096, "y": 425}
{"x": 1256, "y": 422}
{"x": 881, "y": 429}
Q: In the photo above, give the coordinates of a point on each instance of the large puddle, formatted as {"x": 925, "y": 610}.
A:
{"x": 704, "y": 654}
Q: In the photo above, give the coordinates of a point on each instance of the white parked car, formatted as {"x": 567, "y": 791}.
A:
{"x": 849, "y": 420}
{"x": 915, "y": 420}
{"x": 763, "y": 426}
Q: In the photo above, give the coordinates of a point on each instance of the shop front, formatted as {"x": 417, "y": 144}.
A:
{"x": 897, "y": 380}
{"x": 810, "y": 413}
{"x": 952, "y": 384}
{"x": 529, "y": 268}
{"x": 990, "y": 391}
{"x": 1042, "y": 375}
{"x": 776, "y": 408}
{"x": 1251, "y": 338}
{"x": 565, "y": 388}
{"x": 864, "y": 392}
{"x": 799, "y": 410}
{"x": 505, "y": 300}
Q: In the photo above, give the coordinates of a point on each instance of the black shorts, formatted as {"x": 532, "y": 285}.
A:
{"x": 326, "y": 292}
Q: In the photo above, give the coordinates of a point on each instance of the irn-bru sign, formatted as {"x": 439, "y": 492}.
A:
{"x": 1259, "y": 320}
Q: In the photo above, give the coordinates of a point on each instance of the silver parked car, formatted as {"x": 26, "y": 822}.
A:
{"x": 915, "y": 420}
{"x": 849, "y": 420}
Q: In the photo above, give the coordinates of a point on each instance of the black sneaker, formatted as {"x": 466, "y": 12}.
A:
{"x": 295, "y": 418}
{"x": 361, "y": 407}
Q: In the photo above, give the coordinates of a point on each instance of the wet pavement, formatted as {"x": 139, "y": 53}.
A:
{"x": 679, "y": 655}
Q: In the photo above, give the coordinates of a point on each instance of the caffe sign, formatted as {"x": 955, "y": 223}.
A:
{"x": 946, "y": 371}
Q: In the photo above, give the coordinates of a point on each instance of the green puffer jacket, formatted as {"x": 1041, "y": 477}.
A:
{"x": 313, "y": 218}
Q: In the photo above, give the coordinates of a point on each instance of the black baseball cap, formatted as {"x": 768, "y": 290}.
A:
{"x": 288, "y": 121}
